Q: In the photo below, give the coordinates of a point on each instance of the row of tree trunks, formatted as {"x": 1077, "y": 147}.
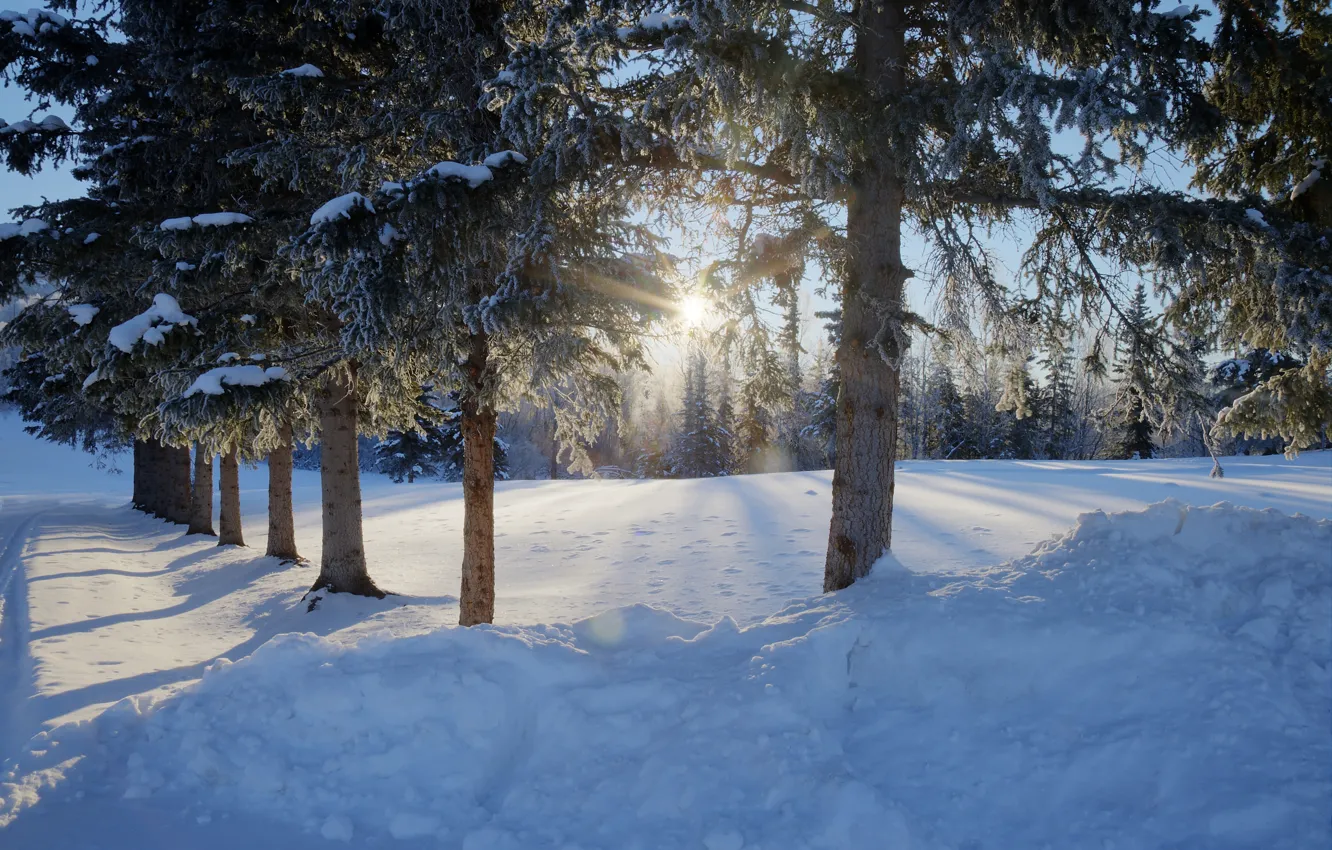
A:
{"x": 162, "y": 481}
{"x": 164, "y": 487}
{"x": 342, "y": 566}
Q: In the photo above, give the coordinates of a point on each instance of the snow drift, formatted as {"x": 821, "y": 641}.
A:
{"x": 1152, "y": 679}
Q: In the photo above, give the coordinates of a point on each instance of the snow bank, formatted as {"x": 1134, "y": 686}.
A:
{"x": 151, "y": 325}
{"x": 1152, "y": 679}
{"x": 216, "y": 380}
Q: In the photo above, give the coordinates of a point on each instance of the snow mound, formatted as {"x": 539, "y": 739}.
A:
{"x": 1151, "y": 679}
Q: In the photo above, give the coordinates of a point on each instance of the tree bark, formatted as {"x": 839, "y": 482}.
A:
{"x": 154, "y": 479}
{"x": 178, "y": 487}
{"x": 342, "y": 567}
{"x": 137, "y": 499}
{"x": 201, "y": 506}
{"x": 281, "y": 521}
{"x": 873, "y": 338}
{"x": 477, "y": 601}
{"x": 229, "y": 523}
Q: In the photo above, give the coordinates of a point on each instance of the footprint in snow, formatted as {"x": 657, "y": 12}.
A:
{"x": 811, "y": 492}
{"x": 800, "y": 531}
{"x": 728, "y": 534}
{"x": 665, "y": 562}
{"x": 980, "y": 529}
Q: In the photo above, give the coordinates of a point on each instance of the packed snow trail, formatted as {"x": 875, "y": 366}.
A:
{"x": 1151, "y": 679}
{"x": 15, "y": 660}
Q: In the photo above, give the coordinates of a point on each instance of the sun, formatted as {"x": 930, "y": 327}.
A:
{"x": 694, "y": 310}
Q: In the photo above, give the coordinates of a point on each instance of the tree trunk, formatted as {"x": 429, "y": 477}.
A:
{"x": 178, "y": 490}
{"x": 137, "y": 499}
{"x": 281, "y": 522}
{"x": 230, "y": 520}
{"x": 201, "y": 507}
{"x": 342, "y": 566}
{"x": 154, "y": 479}
{"x": 477, "y": 601}
{"x": 873, "y": 338}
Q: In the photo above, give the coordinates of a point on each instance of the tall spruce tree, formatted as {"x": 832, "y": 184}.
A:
{"x": 942, "y": 117}
{"x": 1132, "y": 427}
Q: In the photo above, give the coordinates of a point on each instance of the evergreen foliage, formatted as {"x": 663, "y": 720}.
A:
{"x": 434, "y": 448}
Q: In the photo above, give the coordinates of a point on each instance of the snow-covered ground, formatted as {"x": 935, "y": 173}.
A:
{"x": 1156, "y": 679}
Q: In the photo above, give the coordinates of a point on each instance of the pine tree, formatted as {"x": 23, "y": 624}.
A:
{"x": 434, "y": 449}
{"x": 1267, "y": 143}
{"x": 1060, "y": 424}
{"x": 1131, "y": 426}
{"x": 943, "y": 117}
{"x": 698, "y": 450}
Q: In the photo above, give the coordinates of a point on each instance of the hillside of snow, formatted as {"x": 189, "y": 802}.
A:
{"x": 1152, "y": 673}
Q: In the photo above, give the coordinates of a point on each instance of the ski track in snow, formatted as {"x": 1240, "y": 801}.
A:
{"x": 115, "y": 604}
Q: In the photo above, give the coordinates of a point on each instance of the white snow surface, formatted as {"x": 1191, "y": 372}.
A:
{"x": 150, "y": 325}
{"x": 1152, "y": 678}
{"x": 341, "y": 207}
{"x": 216, "y": 380}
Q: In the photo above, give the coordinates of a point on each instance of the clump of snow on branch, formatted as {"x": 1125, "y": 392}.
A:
{"x": 218, "y": 219}
{"x": 9, "y": 230}
{"x": 1309, "y": 179}
{"x": 653, "y": 22}
{"x": 503, "y": 158}
{"x": 306, "y": 70}
{"x": 474, "y": 175}
{"x": 341, "y": 207}
{"x": 50, "y": 123}
{"x": 33, "y": 22}
{"x": 216, "y": 380}
{"x": 151, "y": 325}
{"x": 82, "y": 314}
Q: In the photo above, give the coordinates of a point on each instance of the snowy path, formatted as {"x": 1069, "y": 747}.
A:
{"x": 15, "y": 659}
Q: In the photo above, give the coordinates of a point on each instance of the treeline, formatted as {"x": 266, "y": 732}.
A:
{"x": 301, "y": 215}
